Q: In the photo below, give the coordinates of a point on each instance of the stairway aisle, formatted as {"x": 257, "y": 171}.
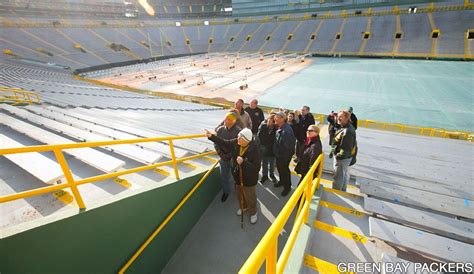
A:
{"x": 339, "y": 234}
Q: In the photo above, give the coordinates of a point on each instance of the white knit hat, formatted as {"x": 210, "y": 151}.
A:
{"x": 246, "y": 134}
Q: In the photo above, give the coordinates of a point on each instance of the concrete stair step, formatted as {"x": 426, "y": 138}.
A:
{"x": 335, "y": 248}
{"x": 344, "y": 199}
{"x": 350, "y": 222}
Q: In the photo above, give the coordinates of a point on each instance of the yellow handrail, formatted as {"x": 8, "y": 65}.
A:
{"x": 72, "y": 184}
{"x": 268, "y": 246}
{"x": 18, "y": 96}
{"x": 417, "y": 130}
{"x": 166, "y": 221}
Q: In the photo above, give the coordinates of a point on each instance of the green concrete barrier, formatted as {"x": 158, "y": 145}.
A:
{"x": 101, "y": 240}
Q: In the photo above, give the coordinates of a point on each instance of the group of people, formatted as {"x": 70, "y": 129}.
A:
{"x": 247, "y": 142}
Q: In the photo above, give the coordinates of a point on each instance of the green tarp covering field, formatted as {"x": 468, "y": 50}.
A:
{"x": 415, "y": 92}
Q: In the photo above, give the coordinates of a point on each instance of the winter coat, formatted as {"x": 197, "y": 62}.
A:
{"x": 309, "y": 156}
{"x": 306, "y": 121}
{"x": 354, "y": 120}
{"x": 298, "y": 131}
{"x": 333, "y": 125}
{"x": 344, "y": 146}
{"x": 257, "y": 117}
{"x": 266, "y": 138}
{"x": 252, "y": 160}
{"x": 245, "y": 119}
{"x": 284, "y": 145}
{"x": 227, "y": 134}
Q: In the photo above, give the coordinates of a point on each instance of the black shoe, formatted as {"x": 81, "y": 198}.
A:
{"x": 285, "y": 192}
{"x": 224, "y": 197}
{"x": 263, "y": 179}
{"x": 278, "y": 184}
{"x": 273, "y": 179}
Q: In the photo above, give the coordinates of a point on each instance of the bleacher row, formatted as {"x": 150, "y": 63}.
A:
{"x": 37, "y": 125}
{"x": 80, "y": 123}
{"x": 82, "y": 47}
{"x": 61, "y": 89}
{"x": 371, "y": 225}
{"x": 106, "y": 115}
{"x": 115, "y": 9}
{"x": 401, "y": 207}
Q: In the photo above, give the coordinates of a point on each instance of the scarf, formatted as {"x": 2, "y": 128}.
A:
{"x": 310, "y": 139}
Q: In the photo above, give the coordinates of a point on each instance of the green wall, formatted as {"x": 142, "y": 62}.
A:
{"x": 103, "y": 239}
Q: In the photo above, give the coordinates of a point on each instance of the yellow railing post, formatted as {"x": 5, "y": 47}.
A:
{"x": 265, "y": 250}
{"x": 28, "y": 97}
{"x": 173, "y": 158}
{"x": 308, "y": 196}
{"x": 58, "y": 148}
{"x": 70, "y": 181}
{"x": 271, "y": 260}
{"x": 18, "y": 96}
{"x": 320, "y": 172}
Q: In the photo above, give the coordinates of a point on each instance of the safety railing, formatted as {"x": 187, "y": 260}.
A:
{"x": 72, "y": 184}
{"x": 267, "y": 248}
{"x": 417, "y": 130}
{"x": 17, "y": 96}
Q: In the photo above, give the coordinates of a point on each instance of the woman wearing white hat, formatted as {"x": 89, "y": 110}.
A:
{"x": 245, "y": 166}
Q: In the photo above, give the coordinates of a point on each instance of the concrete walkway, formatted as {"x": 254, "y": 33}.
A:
{"x": 217, "y": 244}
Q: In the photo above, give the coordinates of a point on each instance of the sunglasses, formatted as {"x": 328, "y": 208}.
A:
{"x": 310, "y": 130}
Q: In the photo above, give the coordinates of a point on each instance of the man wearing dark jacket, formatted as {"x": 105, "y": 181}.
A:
{"x": 227, "y": 131}
{"x": 298, "y": 131}
{"x": 245, "y": 160}
{"x": 305, "y": 119}
{"x": 343, "y": 149}
{"x": 284, "y": 148}
{"x": 256, "y": 115}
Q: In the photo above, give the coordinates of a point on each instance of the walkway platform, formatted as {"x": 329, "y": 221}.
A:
{"x": 338, "y": 232}
{"x": 218, "y": 244}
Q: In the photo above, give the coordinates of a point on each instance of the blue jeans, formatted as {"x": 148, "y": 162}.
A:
{"x": 341, "y": 174}
{"x": 266, "y": 161}
{"x": 226, "y": 176}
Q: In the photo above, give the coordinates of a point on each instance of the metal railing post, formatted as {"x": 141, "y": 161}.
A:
{"x": 70, "y": 181}
{"x": 266, "y": 249}
{"x": 271, "y": 260}
{"x": 173, "y": 158}
{"x": 320, "y": 171}
{"x": 308, "y": 197}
